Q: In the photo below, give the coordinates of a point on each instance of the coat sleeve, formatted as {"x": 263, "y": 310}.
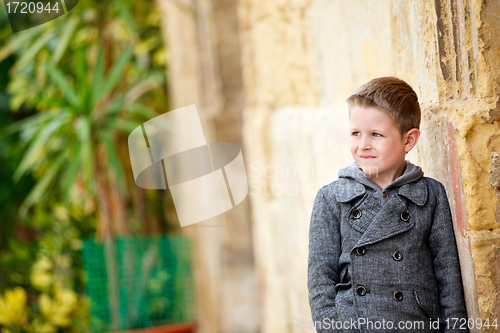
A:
{"x": 323, "y": 264}
{"x": 443, "y": 247}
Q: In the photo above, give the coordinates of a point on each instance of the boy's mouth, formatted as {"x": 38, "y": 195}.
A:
{"x": 364, "y": 156}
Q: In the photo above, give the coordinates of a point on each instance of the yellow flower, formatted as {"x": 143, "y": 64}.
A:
{"x": 160, "y": 57}
{"x": 61, "y": 212}
{"x": 41, "y": 280}
{"x": 66, "y": 297}
{"x": 40, "y": 277}
{"x": 42, "y": 264}
{"x": 12, "y": 307}
{"x": 39, "y": 326}
{"x": 57, "y": 311}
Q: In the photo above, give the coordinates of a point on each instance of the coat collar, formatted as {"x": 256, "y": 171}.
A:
{"x": 349, "y": 189}
{"x": 415, "y": 191}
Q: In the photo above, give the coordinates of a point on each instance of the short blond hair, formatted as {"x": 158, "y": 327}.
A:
{"x": 392, "y": 95}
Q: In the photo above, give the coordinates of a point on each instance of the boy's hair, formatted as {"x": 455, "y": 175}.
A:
{"x": 392, "y": 95}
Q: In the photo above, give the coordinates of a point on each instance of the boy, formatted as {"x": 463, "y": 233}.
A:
{"x": 382, "y": 251}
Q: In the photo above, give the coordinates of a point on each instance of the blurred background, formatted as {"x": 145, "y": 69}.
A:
{"x": 84, "y": 249}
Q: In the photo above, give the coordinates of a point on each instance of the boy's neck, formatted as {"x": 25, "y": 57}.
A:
{"x": 385, "y": 180}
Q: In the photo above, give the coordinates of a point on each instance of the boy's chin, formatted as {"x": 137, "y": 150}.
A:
{"x": 370, "y": 170}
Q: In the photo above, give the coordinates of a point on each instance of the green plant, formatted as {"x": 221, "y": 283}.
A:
{"x": 86, "y": 80}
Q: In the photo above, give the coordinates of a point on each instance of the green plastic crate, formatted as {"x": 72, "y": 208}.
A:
{"x": 138, "y": 282}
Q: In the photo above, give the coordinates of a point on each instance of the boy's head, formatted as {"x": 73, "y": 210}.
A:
{"x": 385, "y": 116}
{"x": 393, "y": 96}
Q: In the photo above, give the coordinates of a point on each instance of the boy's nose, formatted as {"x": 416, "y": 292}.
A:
{"x": 365, "y": 144}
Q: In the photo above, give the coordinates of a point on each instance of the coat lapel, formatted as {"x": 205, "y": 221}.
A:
{"x": 377, "y": 223}
{"x": 387, "y": 222}
{"x": 368, "y": 206}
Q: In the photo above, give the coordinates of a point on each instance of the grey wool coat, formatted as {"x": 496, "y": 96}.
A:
{"x": 384, "y": 255}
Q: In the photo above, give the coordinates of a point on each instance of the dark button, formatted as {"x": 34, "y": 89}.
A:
{"x": 384, "y": 194}
{"x": 397, "y": 256}
{"x": 405, "y": 216}
{"x": 361, "y": 291}
{"x": 361, "y": 250}
{"x": 398, "y": 296}
{"x": 356, "y": 213}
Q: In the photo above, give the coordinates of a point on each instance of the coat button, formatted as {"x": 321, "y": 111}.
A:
{"x": 397, "y": 256}
{"x": 405, "y": 216}
{"x": 398, "y": 296}
{"x": 361, "y": 291}
{"x": 384, "y": 194}
{"x": 356, "y": 213}
{"x": 361, "y": 250}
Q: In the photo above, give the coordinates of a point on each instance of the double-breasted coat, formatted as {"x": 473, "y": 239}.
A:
{"x": 392, "y": 263}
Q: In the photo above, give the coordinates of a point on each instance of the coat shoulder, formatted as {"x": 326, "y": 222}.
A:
{"x": 433, "y": 182}
{"x": 434, "y": 186}
{"x": 436, "y": 191}
{"x": 330, "y": 192}
{"x": 342, "y": 189}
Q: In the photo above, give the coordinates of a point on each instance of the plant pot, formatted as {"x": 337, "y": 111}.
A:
{"x": 173, "y": 328}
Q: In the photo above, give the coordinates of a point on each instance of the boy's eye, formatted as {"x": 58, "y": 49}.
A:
{"x": 377, "y": 134}
{"x": 355, "y": 133}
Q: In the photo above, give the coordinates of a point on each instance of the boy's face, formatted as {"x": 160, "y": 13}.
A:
{"x": 376, "y": 143}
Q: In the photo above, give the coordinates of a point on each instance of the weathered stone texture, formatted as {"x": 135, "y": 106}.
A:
{"x": 298, "y": 62}
{"x": 205, "y": 69}
{"x": 444, "y": 49}
{"x": 277, "y": 53}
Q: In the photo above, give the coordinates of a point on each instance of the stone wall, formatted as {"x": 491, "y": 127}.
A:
{"x": 205, "y": 69}
{"x": 295, "y": 62}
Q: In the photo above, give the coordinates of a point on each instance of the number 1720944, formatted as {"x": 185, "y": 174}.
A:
{"x": 470, "y": 323}
{"x": 31, "y": 7}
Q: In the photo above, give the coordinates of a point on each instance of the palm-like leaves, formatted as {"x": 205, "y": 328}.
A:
{"x": 85, "y": 114}
{"x": 85, "y": 97}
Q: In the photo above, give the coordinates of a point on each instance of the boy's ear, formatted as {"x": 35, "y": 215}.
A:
{"x": 411, "y": 138}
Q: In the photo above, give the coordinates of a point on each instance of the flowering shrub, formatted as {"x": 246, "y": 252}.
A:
{"x": 52, "y": 309}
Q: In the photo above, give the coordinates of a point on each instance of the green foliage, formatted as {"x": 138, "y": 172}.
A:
{"x": 118, "y": 23}
{"x": 49, "y": 271}
{"x": 76, "y": 86}
{"x": 84, "y": 101}
{"x": 67, "y": 134}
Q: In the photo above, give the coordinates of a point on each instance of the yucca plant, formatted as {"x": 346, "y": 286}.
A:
{"x": 84, "y": 73}
{"x": 73, "y": 142}
{"x": 74, "y": 135}
{"x": 84, "y": 76}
